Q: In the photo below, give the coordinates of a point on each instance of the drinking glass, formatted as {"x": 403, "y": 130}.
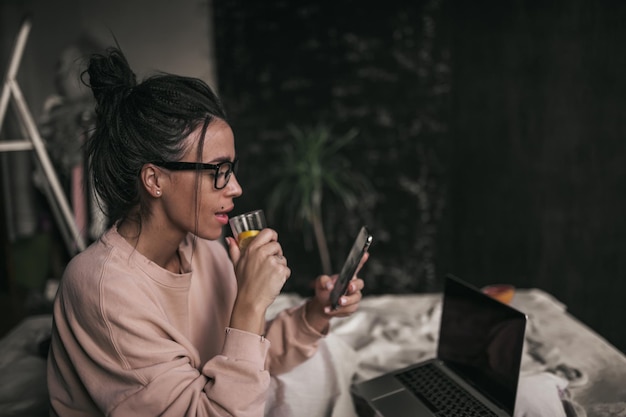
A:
{"x": 246, "y": 226}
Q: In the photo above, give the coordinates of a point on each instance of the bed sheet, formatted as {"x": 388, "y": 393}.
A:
{"x": 387, "y": 332}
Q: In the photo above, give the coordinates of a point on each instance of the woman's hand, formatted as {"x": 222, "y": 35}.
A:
{"x": 261, "y": 271}
{"x": 319, "y": 312}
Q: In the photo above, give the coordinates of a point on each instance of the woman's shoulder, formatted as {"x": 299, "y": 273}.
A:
{"x": 79, "y": 287}
{"x": 89, "y": 261}
{"x": 104, "y": 260}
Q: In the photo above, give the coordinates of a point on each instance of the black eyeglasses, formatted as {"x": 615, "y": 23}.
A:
{"x": 221, "y": 171}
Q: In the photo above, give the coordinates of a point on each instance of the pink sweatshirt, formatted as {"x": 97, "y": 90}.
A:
{"x": 133, "y": 339}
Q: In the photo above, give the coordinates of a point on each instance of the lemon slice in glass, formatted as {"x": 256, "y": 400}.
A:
{"x": 245, "y": 238}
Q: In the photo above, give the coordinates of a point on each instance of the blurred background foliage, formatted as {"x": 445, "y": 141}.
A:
{"x": 349, "y": 68}
{"x": 309, "y": 171}
{"x": 491, "y": 133}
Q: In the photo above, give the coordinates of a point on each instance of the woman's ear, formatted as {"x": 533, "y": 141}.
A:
{"x": 150, "y": 180}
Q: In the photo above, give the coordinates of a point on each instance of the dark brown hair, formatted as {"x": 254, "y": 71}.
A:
{"x": 137, "y": 124}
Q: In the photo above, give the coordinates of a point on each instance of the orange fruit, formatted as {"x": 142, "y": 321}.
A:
{"x": 501, "y": 292}
{"x": 246, "y": 237}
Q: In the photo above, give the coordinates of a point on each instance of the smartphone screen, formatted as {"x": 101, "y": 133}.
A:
{"x": 360, "y": 246}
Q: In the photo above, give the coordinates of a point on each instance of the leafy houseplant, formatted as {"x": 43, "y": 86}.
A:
{"x": 310, "y": 167}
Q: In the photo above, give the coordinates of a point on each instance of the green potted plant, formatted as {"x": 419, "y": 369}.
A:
{"x": 310, "y": 167}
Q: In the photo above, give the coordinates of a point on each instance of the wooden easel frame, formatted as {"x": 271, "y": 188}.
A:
{"x": 53, "y": 190}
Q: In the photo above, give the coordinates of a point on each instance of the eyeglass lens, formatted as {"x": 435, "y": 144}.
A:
{"x": 224, "y": 172}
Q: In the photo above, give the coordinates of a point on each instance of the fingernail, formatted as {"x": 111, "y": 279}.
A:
{"x": 342, "y": 300}
{"x": 329, "y": 285}
{"x": 327, "y": 310}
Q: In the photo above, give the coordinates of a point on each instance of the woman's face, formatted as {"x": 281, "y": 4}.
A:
{"x": 196, "y": 196}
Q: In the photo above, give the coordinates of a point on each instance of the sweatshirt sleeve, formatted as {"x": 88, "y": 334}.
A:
{"x": 130, "y": 361}
{"x": 232, "y": 383}
{"x": 293, "y": 339}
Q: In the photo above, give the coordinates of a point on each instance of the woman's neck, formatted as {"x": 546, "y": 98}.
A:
{"x": 153, "y": 243}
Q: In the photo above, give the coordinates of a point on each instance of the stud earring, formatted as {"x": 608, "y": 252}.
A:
{"x": 158, "y": 192}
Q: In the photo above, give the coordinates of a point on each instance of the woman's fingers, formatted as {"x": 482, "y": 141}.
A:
{"x": 356, "y": 285}
{"x": 349, "y": 302}
{"x": 364, "y": 259}
{"x": 262, "y": 269}
{"x": 233, "y": 250}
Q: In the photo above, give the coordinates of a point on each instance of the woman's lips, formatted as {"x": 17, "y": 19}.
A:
{"x": 222, "y": 218}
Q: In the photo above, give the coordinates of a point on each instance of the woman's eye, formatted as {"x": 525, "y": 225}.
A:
{"x": 220, "y": 174}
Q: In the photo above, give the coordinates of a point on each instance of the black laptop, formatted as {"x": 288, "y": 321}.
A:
{"x": 475, "y": 372}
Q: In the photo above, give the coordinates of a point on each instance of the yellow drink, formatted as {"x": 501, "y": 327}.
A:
{"x": 246, "y": 237}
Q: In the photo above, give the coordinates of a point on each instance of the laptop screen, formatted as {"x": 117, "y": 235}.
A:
{"x": 482, "y": 340}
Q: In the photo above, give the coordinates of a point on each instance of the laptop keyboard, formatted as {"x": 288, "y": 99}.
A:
{"x": 441, "y": 394}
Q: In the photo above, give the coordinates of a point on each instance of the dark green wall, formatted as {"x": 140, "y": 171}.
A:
{"x": 539, "y": 130}
{"x": 493, "y": 133}
{"x": 385, "y": 73}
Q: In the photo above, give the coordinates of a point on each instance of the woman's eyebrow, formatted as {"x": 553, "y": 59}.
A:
{"x": 219, "y": 159}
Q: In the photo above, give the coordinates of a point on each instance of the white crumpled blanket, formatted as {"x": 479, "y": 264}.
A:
{"x": 371, "y": 342}
{"x": 388, "y": 332}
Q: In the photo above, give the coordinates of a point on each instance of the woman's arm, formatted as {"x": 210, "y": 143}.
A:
{"x": 120, "y": 347}
{"x": 295, "y": 332}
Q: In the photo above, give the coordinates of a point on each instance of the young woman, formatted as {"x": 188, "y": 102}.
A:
{"x": 157, "y": 317}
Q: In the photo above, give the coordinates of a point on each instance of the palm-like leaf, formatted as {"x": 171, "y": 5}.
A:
{"x": 307, "y": 168}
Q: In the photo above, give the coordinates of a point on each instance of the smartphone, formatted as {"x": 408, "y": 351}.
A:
{"x": 359, "y": 247}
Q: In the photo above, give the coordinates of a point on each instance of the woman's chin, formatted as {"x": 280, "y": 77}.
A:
{"x": 210, "y": 235}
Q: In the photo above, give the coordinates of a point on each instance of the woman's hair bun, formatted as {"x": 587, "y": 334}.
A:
{"x": 110, "y": 76}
